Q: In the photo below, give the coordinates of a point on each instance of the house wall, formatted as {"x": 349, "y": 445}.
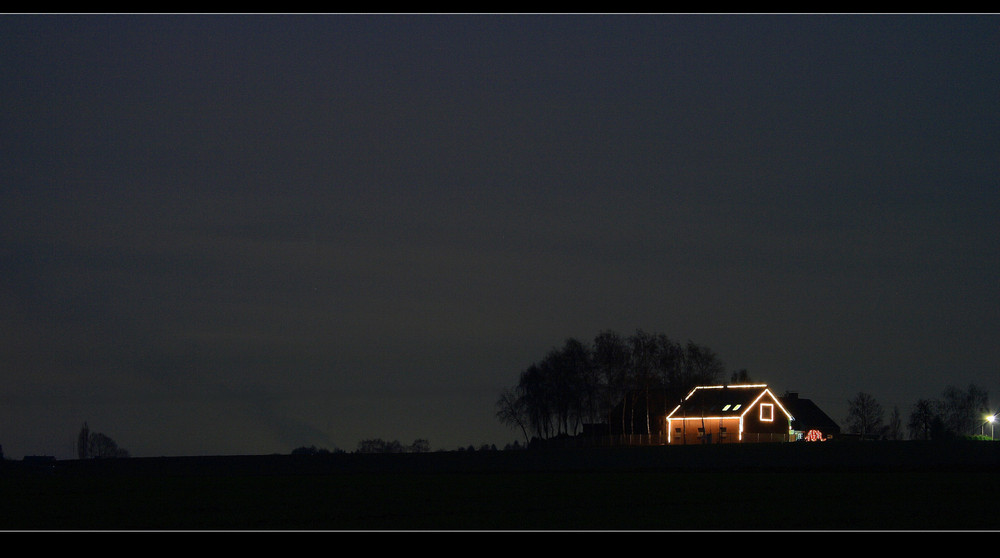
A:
{"x": 704, "y": 431}
{"x": 727, "y": 430}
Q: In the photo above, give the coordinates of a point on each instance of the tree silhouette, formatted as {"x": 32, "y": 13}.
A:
{"x": 643, "y": 362}
{"x": 611, "y": 363}
{"x": 378, "y": 445}
{"x": 83, "y": 442}
{"x": 740, "y": 377}
{"x": 922, "y": 417}
{"x": 511, "y": 411}
{"x": 420, "y": 445}
{"x": 864, "y": 416}
{"x": 962, "y": 410}
{"x": 97, "y": 445}
{"x": 578, "y": 383}
{"x": 956, "y": 414}
{"x": 535, "y": 391}
{"x": 311, "y": 450}
{"x": 102, "y": 446}
{"x": 894, "y": 430}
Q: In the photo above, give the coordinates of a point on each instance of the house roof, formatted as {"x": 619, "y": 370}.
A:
{"x": 806, "y": 415}
{"x": 721, "y": 401}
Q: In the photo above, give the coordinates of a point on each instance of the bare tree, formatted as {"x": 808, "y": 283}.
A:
{"x": 922, "y": 419}
{"x": 643, "y": 348}
{"x": 534, "y": 388}
{"x": 740, "y": 376}
{"x": 97, "y": 445}
{"x": 511, "y": 411}
{"x": 864, "y": 416}
{"x": 568, "y": 369}
{"x": 963, "y": 409}
{"x": 579, "y": 383}
{"x": 894, "y": 430}
{"x": 670, "y": 364}
{"x": 83, "y": 442}
{"x": 702, "y": 366}
{"x": 101, "y": 446}
{"x": 372, "y": 445}
{"x": 610, "y": 356}
{"x": 420, "y": 445}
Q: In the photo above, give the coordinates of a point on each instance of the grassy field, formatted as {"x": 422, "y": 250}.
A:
{"x": 556, "y": 491}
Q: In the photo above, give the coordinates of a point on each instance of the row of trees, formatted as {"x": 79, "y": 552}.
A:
{"x": 959, "y": 412}
{"x": 97, "y": 445}
{"x": 582, "y": 383}
{"x": 371, "y": 445}
{"x": 378, "y": 445}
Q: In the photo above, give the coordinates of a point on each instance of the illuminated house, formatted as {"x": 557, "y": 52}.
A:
{"x": 729, "y": 414}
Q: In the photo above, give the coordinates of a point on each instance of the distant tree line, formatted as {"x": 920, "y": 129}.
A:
{"x": 581, "y": 383}
{"x": 512, "y": 446}
{"x": 371, "y": 445}
{"x": 958, "y": 413}
{"x": 378, "y": 445}
{"x": 95, "y": 445}
{"x": 313, "y": 450}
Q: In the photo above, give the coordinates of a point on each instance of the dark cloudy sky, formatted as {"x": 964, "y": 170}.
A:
{"x": 245, "y": 234}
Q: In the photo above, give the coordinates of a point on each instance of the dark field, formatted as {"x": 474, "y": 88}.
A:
{"x": 822, "y": 486}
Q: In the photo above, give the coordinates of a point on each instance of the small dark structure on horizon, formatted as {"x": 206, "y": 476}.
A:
{"x": 809, "y": 422}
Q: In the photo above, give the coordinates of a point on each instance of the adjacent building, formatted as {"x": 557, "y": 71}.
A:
{"x": 809, "y": 422}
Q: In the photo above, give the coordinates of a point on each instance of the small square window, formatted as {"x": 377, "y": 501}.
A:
{"x": 766, "y": 412}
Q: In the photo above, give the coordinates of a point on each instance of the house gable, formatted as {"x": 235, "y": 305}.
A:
{"x": 766, "y": 415}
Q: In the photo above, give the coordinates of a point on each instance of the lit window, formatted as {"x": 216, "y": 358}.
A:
{"x": 736, "y": 407}
{"x": 766, "y": 412}
{"x": 726, "y": 408}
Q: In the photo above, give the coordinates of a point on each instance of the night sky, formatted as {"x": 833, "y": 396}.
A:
{"x": 245, "y": 234}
